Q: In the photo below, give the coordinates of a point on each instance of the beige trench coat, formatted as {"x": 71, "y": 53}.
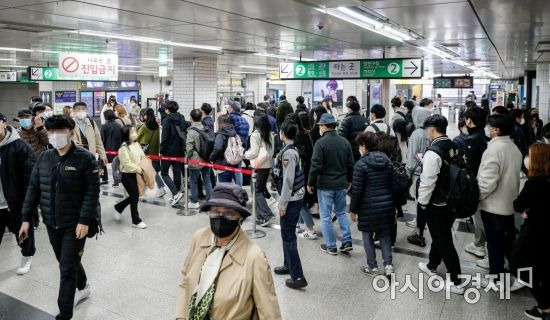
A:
{"x": 245, "y": 287}
{"x": 93, "y": 135}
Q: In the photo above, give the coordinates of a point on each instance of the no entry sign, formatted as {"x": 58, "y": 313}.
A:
{"x": 83, "y": 66}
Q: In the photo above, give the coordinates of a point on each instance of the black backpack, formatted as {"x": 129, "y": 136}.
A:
{"x": 394, "y": 140}
{"x": 207, "y": 139}
{"x": 401, "y": 183}
{"x": 463, "y": 197}
{"x": 410, "y": 125}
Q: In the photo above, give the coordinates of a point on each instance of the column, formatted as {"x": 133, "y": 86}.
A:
{"x": 293, "y": 89}
{"x": 543, "y": 86}
{"x": 256, "y": 83}
{"x": 195, "y": 82}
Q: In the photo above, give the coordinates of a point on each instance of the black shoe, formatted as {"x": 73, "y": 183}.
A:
{"x": 417, "y": 240}
{"x": 331, "y": 251}
{"x": 346, "y": 247}
{"x": 104, "y": 182}
{"x": 281, "y": 270}
{"x": 115, "y": 185}
{"x": 296, "y": 284}
{"x": 535, "y": 314}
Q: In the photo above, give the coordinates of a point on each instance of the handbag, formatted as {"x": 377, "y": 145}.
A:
{"x": 261, "y": 158}
{"x": 145, "y": 147}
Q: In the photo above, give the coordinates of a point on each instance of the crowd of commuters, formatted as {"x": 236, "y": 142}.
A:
{"x": 314, "y": 159}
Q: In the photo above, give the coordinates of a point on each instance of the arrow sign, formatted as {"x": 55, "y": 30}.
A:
{"x": 412, "y": 68}
{"x": 36, "y": 73}
{"x": 286, "y": 70}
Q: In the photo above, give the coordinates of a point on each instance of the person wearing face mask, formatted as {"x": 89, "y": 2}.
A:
{"x": 110, "y": 104}
{"x": 88, "y": 136}
{"x": 65, "y": 183}
{"x": 32, "y": 131}
{"x": 130, "y": 155}
{"x": 353, "y": 124}
{"x": 16, "y": 162}
{"x": 134, "y": 111}
{"x": 534, "y": 127}
{"x": 226, "y": 275}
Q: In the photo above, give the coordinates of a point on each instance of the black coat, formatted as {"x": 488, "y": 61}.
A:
{"x": 472, "y": 145}
{"x": 16, "y": 162}
{"x": 67, "y": 188}
{"x": 372, "y": 193}
{"x": 533, "y": 197}
{"x": 171, "y": 143}
{"x": 301, "y": 108}
{"x": 353, "y": 124}
{"x": 111, "y": 135}
{"x": 331, "y": 163}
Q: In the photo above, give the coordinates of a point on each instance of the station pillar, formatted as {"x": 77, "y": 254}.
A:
{"x": 543, "y": 86}
{"x": 256, "y": 83}
{"x": 195, "y": 81}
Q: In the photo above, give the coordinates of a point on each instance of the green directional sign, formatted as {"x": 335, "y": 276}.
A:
{"x": 44, "y": 73}
{"x": 353, "y": 69}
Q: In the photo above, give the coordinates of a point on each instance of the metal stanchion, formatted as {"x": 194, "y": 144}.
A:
{"x": 185, "y": 211}
{"x": 254, "y": 233}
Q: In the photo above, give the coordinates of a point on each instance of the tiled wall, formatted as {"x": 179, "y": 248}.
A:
{"x": 204, "y": 82}
{"x": 543, "y": 83}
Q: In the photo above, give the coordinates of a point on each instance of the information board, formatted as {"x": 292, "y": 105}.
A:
{"x": 8, "y": 76}
{"x": 84, "y": 66}
{"x": 63, "y": 98}
{"x": 353, "y": 69}
{"x": 465, "y": 82}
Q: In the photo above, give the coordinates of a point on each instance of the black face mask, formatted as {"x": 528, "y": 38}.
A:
{"x": 223, "y": 227}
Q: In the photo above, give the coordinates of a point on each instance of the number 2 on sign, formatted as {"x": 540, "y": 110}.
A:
{"x": 300, "y": 70}
{"x": 393, "y": 68}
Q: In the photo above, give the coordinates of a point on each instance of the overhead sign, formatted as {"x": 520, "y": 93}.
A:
{"x": 110, "y": 85}
{"x": 44, "y": 73}
{"x": 83, "y": 66}
{"x": 465, "y": 82}
{"x": 10, "y": 76}
{"x": 353, "y": 69}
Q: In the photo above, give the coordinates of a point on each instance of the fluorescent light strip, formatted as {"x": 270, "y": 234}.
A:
{"x": 8, "y": 66}
{"x": 258, "y": 67}
{"x": 15, "y": 49}
{"x": 281, "y": 56}
{"x": 247, "y": 72}
{"x": 356, "y": 15}
{"x": 124, "y": 66}
{"x": 146, "y": 40}
{"x": 6, "y": 59}
{"x": 437, "y": 52}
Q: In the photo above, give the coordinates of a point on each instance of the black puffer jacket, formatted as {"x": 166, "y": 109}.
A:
{"x": 111, "y": 135}
{"x": 67, "y": 188}
{"x": 171, "y": 144}
{"x": 16, "y": 162}
{"x": 371, "y": 193}
{"x": 353, "y": 124}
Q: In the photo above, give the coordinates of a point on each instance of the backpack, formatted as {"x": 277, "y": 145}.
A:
{"x": 401, "y": 183}
{"x": 463, "y": 197}
{"x": 410, "y": 125}
{"x": 183, "y": 137}
{"x": 394, "y": 140}
{"x": 206, "y": 146}
{"x": 277, "y": 173}
{"x": 234, "y": 151}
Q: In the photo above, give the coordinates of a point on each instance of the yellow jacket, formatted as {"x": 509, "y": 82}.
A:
{"x": 130, "y": 158}
{"x": 244, "y": 288}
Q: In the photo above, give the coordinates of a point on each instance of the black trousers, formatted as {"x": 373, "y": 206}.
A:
{"x": 129, "y": 181}
{"x": 105, "y": 175}
{"x": 12, "y": 220}
{"x": 173, "y": 184}
{"x": 500, "y": 234}
{"x": 440, "y": 221}
{"x": 421, "y": 220}
{"x": 68, "y": 252}
{"x": 288, "y": 234}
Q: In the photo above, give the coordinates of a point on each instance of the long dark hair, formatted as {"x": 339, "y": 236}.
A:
{"x": 305, "y": 120}
{"x": 319, "y": 111}
{"x": 151, "y": 121}
{"x": 400, "y": 126}
{"x": 294, "y": 117}
{"x": 261, "y": 123}
{"x": 125, "y": 134}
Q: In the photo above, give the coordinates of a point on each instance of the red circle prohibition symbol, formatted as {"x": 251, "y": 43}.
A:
{"x": 70, "y": 64}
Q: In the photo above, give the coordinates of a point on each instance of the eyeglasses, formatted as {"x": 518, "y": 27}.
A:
{"x": 228, "y": 215}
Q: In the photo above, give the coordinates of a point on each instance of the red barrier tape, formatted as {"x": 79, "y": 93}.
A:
{"x": 190, "y": 161}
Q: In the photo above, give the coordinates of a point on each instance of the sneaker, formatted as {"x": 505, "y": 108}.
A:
{"x": 161, "y": 193}
{"x": 417, "y": 240}
{"x": 281, "y": 270}
{"x": 81, "y": 295}
{"x": 300, "y": 228}
{"x": 370, "y": 272}
{"x": 535, "y": 314}
{"x": 483, "y": 263}
{"x": 296, "y": 284}
{"x": 515, "y": 285}
{"x": 411, "y": 224}
{"x": 175, "y": 199}
{"x": 115, "y": 185}
{"x": 265, "y": 223}
{"x": 24, "y": 266}
{"x": 309, "y": 235}
{"x": 453, "y": 288}
{"x": 388, "y": 270}
{"x": 331, "y": 251}
{"x": 475, "y": 250}
{"x": 193, "y": 205}
{"x": 346, "y": 247}
{"x": 140, "y": 225}
{"x": 271, "y": 202}
{"x": 423, "y": 266}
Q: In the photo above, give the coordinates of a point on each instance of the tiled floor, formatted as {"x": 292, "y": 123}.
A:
{"x": 134, "y": 274}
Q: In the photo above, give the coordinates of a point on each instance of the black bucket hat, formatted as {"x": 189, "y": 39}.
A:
{"x": 228, "y": 195}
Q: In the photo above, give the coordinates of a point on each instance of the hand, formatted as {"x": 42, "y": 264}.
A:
{"x": 353, "y": 216}
{"x": 524, "y": 214}
{"x": 38, "y": 122}
{"x": 423, "y": 207}
{"x": 349, "y": 186}
{"x": 310, "y": 189}
{"x": 81, "y": 231}
{"x": 24, "y": 231}
{"x": 105, "y": 161}
{"x": 282, "y": 212}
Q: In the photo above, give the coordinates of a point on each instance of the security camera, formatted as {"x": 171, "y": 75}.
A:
{"x": 107, "y": 41}
{"x": 320, "y": 26}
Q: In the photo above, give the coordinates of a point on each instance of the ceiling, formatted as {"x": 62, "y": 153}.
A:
{"x": 499, "y": 35}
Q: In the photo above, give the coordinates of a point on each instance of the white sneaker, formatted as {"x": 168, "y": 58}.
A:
{"x": 271, "y": 202}
{"x": 140, "y": 225}
{"x": 423, "y": 266}
{"x": 175, "y": 199}
{"x": 453, "y": 288}
{"x": 515, "y": 285}
{"x": 483, "y": 263}
{"x": 82, "y": 294}
{"x": 161, "y": 193}
{"x": 475, "y": 250}
{"x": 193, "y": 205}
{"x": 388, "y": 270}
{"x": 370, "y": 272}
{"x": 411, "y": 224}
{"x": 309, "y": 235}
{"x": 24, "y": 266}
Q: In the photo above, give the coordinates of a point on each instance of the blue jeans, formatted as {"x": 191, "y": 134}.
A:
{"x": 385, "y": 244}
{"x": 305, "y": 217}
{"x": 195, "y": 174}
{"x": 239, "y": 176}
{"x": 329, "y": 200}
{"x": 226, "y": 176}
{"x": 158, "y": 179}
{"x": 288, "y": 234}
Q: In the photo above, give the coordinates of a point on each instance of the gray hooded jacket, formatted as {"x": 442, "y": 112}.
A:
{"x": 418, "y": 141}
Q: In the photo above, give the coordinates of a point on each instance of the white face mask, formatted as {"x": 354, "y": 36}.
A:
{"x": 522, "y": 122}
{"x": 48, "y": 114}
{"x": 58, "y": 140}
{"x": 526, "y": 162}
{"x": 80, "y": 115}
